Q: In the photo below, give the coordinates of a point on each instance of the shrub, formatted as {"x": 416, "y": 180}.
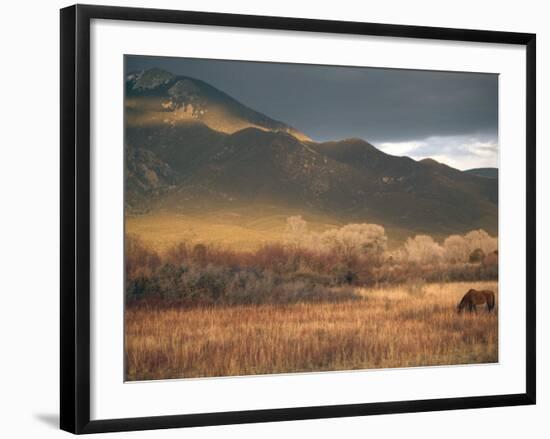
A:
{"x": 491, "y": 259}
{"x": 456, "y": 249}
{"x": 423, "y": 249}
{"x": 295, "y": 231}
{"x": 178, "y": 254}
{"x": 323, "y": 264}
{"x": 476, "y": 256}
{"x": 482, "y": 240}
{"x": 139, "y": 259}
{"x": 354, "y": 240}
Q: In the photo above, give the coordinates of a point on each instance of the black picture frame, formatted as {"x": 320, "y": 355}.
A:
{"x": 75, "y": 218}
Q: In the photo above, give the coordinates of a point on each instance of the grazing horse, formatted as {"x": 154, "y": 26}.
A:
{"x": 474, "y": 297}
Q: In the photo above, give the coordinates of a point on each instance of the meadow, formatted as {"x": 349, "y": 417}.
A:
{"x": 238, "y": 227}
{"x": 313, "y": 299}
{"x": 394, "y": 326}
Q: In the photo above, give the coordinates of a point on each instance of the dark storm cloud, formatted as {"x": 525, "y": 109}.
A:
{"x": 330, "y": 102}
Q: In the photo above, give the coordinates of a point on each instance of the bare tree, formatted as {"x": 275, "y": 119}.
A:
{"x": 295, "y": 231}
{"x": 423, "y": 249}
{"x": 356, "y": 240}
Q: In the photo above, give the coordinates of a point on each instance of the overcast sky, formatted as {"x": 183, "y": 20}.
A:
{"x": 451, "y": 117}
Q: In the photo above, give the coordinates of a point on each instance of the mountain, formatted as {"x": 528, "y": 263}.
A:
{"x": 484, "y": 172}
{"x": 181, "y": 158}
{"x": 155, "y": 98}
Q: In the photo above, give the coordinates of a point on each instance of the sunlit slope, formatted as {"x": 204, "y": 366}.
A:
{"x": 159, "y": 98}
{"x": 237, "y": 227}
{"x": 185, "y": 168}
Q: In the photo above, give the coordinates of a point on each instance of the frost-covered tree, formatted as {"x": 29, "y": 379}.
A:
{"x": 295, "y": 231}
{"x": 482, "y": 240}
{"x": 459, "y": 248}
{"x": 355, "y": 240}
{"x": 423, "y": 249}
{"x": 456, "y": 249}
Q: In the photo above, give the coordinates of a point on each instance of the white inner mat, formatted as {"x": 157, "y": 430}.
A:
{"x": 112, "y": 398}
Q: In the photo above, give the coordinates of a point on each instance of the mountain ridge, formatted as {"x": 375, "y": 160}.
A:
{"x": 483, "y": 172}
{"x": 175, "y": 99}
{"x": 175, "y": 166}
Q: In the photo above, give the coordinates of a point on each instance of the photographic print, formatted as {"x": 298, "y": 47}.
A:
{"x": 295, "y": 218}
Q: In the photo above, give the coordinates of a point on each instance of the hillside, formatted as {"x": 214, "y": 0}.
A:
{"x": 186, "y": 155}
{"x": 158, "y": 98}
{"x": 484, "y": 172}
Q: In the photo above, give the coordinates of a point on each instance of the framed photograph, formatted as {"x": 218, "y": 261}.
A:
{"x": 268, "y": 219}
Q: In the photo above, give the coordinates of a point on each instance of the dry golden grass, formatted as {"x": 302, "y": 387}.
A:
{"x": 239, "y": 228}
{"x": 242, "y": 228}
{"x": 394, "y": 327}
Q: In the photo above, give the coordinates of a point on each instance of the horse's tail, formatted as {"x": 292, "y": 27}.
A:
{"x": 490, "y": 300}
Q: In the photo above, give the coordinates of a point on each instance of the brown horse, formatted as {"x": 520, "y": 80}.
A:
{"x": 473, "y": 298}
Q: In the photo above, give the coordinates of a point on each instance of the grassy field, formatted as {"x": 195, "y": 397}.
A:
{"x": 242, "y": 228}
{"x": 226, "y": 229}
{"x": 401, "y": 326}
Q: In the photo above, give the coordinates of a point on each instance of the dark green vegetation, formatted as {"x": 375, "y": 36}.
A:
{"x": 484, "y": 172}
{"x": 190, "y": 146}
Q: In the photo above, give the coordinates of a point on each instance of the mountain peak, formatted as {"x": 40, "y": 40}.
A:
{"x": 156, "y": 97}
{"x": 429, "y": 161}
{"x": 150, "y": 79}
